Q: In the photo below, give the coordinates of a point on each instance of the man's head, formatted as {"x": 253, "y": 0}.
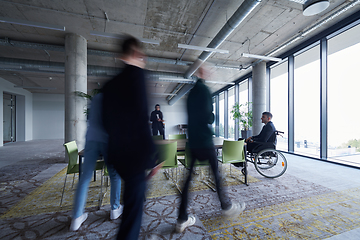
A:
{"x": 157, "y": 107}
{"x": 132, "y": 52}
{"x": 266, "y": 117}
{"x": 202, "y": 72}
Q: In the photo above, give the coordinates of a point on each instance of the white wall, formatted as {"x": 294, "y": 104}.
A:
{"x": 25, "y": 132}
{"x": 48, "y": 116}
{"x": 173, "y": 115}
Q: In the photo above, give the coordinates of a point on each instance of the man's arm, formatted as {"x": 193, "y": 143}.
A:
{"x": 152, "y": 116}
{"x": 265, "y": 134}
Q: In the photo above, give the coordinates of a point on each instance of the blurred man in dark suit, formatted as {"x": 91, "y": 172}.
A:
{"x": 125, "y": 118}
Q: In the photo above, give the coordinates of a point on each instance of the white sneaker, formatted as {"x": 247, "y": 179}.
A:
{"x": 235, "y": 210}
{"x": 116, "y": 213}
{"x": 180, "y": 227}
{"x": 76, "y": 223}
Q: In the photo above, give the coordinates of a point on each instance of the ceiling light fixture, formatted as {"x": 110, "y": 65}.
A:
{"x": 177, "y": 80}
{"x": 164, "y": 94}
{"x": 32, "y": 24}
{"x": 261, "y": 57}
{"x": 224, "y": 83}
{"x": 121, "y": 36}
{"x": 202, "y": 48}
{"x": 184, "y": 80}
{"x": 313, "y": 7}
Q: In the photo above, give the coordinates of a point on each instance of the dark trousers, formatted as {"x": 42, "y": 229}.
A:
{"x": 134, "y": 193}
{"x": 160, "y": 129}
{"x": 203, "y": 154}
{"x": 253, "y": 145}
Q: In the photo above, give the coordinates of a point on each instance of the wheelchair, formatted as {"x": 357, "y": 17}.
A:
{"x": 268, "y": 161}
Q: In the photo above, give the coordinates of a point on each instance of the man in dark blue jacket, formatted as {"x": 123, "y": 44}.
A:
{"x": 200, "y": 115}
{"x": 267, "y": 134}
{"x": 130, "y": 146}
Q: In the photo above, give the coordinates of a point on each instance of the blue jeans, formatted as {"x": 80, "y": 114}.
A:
{"x": 92, "y": 152}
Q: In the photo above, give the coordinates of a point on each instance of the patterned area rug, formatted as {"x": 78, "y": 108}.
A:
{"x": 282, "y": 208}
{"x": 315, "y": 217}
{"x": 46, "y": 198}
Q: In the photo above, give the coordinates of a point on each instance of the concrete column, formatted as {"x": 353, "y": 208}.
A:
{"x": 75, "y": 80}
{"x": 258, "y": 96}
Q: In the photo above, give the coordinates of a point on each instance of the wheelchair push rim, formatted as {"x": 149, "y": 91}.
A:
{"x": 270, "y": 163}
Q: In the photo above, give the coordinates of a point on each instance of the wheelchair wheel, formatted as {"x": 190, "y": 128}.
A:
{"x": 270, "y": 163}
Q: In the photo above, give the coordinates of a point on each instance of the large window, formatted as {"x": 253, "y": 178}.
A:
{"x": 343, "y": 96}
{"x": 221, "y": 114}
{"x": 243, "y": 92}
{"x": 243, "y": 98}
{"x": 214, "y": 112}
{"x": 231, "y": 121}
{"x": 307, "y": 102}
{"x": 279, "y": 102}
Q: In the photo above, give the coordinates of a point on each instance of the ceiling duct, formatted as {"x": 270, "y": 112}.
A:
{"x": 58, "y": 48}
{"x": 240, "y": 14}
{"x": 14, "y": 64}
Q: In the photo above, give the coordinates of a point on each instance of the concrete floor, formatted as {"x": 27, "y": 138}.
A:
{"x": 333, "y": 176}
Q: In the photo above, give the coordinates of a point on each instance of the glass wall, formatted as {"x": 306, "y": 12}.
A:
{"x": 307, "y": 102}
{"x": 221, "y": 114}
{"x": 214, "y": 112}
{"x": 342, "y": 114}
{"x": 243, "y": 92}
{"x": 279, "y": 102}
{"x": 243, "y": 98}
{"x": 343, "y": 92}
{"x": 231, "y": 121}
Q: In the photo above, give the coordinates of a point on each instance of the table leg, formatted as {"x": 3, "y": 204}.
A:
{"x": 80, "y": 164}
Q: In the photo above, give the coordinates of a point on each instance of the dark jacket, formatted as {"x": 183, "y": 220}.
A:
{"x": 200, "y": 115}
{"x": 267, "y": 134}
{"x": 153, "y": 118}
{"x": 125, "y": 118}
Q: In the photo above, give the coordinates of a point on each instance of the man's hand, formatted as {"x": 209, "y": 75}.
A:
{"x": 249, "y": 139}
{"x": 159, "y": 120}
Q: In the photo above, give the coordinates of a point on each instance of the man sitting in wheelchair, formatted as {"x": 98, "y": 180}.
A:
{"x": 266, "y": 138}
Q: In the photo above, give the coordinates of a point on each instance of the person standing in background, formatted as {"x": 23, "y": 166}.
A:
{"x": 157, "y": 120}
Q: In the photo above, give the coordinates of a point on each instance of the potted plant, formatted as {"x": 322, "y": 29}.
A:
{"x": 243, "y": 113}
{"x": 88, "y": 97}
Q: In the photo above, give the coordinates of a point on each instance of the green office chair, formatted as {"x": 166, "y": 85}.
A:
{"x": 73, "y": 165}
{"x": 157, "y": 137}
{"x": 177, "y": 136}
{"x": 167, "y": 156}
{"x": 233, "y": 152}
{"x": 187, "y": 160}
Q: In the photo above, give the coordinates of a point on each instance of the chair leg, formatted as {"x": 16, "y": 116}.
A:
{"x": 246, "y": 173}
{"x": 72, "y": 185}
{"x": 62, "y": 195}
{"x": 101, "y": 186}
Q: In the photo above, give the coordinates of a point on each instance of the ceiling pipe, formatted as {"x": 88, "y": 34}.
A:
{"x": 14, "y": 64}
{"x": 240, "y": 14}
{"x": 58, "y": 48}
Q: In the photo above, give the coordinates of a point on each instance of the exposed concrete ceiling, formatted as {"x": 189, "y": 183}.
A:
{"x": 194, "y": 22}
